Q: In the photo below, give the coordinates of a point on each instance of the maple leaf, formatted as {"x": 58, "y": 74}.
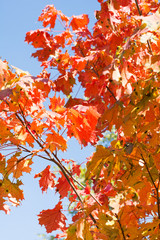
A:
{"x": 18, "y": 166}
{"x": 39, "y": 38}
{"x": 62, "y": 187}
{"x": 65, "y": 83}
{"x": 48, "y": 16}
{"x": 9, "y": 189}
{"x": 46, "y": 179}
{"x": 56, "y": 141}
{"x": 79, "y": 230}
{"x": 79, "y": 22}
{"x": 99, "y": 158}
{"x": 43, "y": 54}
{"x": 53, "y": 219}
{"x": 63, "y": 38}
{"x": 5, "y": 74}
{"x": 56, "y": 103}
{"x": 78, "y": 63}
{"x": 85, "y": 120}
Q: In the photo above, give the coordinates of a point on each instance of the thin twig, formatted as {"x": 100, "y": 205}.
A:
{"x": 156, "y": 188}
{"x": 120, "y": 226}
{"x": 148, "y": 172}
{"x": 140, "y": 13}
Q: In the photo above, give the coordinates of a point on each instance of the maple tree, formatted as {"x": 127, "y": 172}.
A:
{"x": 118, "y": 66}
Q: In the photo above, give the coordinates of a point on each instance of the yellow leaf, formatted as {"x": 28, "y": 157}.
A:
{"x": 80, "y": 229}
{"x": 2, "y": 164}
{"x": 98, "y": 159}
{"x": 9, "y": 189}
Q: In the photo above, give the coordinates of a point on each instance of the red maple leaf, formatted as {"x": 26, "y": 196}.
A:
{"x": 39, "y": 38}
{"x": 63, "y": 186}
{"x": 48, "y": 16}
{"x": 46, "y": 178}
{"x": 79, "y": 22}
{"x": 52, "y": 219}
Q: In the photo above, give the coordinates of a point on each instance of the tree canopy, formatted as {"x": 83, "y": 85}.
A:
{"x": 117, "y": 64}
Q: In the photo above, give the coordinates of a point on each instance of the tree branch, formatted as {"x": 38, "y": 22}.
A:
{"x": 54, "y": 160}
{"x": 55, "y": 156}
{"x": 122, "y": 231}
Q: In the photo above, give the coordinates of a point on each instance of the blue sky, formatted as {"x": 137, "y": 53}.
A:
{"x": 16, "y": 18}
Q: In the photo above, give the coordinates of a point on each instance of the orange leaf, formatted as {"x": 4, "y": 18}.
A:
{"x": 3, "y": 206}
{"x": 9, "y": 189}
{"x": 56, "y": 141}
{"x": 48, "y": 16}
{"x": 65, "y": 83}
{"x": 18, "y": 166}
{"x": 78, "y": 63}
{"x": 79, "y": 22}
{"x": 82, "y": 122}
{"x": 63, "y": 37}
{"x": 52, "y": 219}
{"x": 2, "y": 164}
{"x": 56, "y": 103}
{"x": 62, "y": 186}
{"x": 39, "y": 38}
{"x": 156, "y": 158}
{"x": 46, "y": 179}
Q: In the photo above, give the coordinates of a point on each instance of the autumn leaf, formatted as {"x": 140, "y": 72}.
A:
{"x": 4, "y": 206}
{"x": 62, "y": 186}
{"x": 18, "y": 166}
{"x": 48, "y": 16}
{"x": 2, "y": 164}
{"x": 56, "y": 141}
{"x": 46, "y": 179}
{"x": 79, "y": 230}
{"x": 79, "y": 22}
{"x": 82, "y": 124}
{"x": 65, "y": 83}
{"x": 9, "y": 189}
{"x": 52, "y": 219}
{"x": 78, "y": 63}
{"x": 57, "y": 104}
{"x": 99, "y": 158}
{"x": 65, "y": 37}
{"x": 39, "y": 38}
